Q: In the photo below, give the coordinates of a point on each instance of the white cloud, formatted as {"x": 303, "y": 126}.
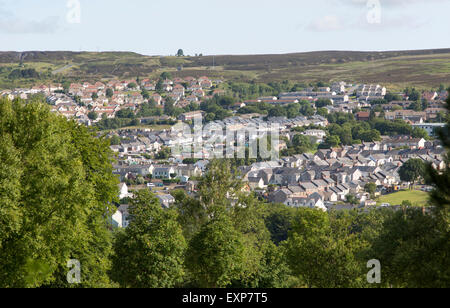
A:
{"x": 19, "y": 26}
{"x": 391, "y": 3}
{"x": 390, "y": 22}
{"x": 326, "y": 23}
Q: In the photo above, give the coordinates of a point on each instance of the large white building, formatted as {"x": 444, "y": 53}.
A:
{"x": 430, "y": 127}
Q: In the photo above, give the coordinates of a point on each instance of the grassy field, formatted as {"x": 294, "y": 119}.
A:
{"x": 423, "y": 69}
{"x": 417, "y": 198}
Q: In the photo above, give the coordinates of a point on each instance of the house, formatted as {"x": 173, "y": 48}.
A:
{"x": 178, "y": 90}
{"x": 188, "y": 116}
{"x": 157, "y": 98}
{"x": 413, "y": 143}
{"x": 317, "y": 133}
{"x": 280, "y": 196}
{"x": 166, "y": 200}
{"x": 120, "y": 219}
{"x": 431, "y": 128}
{"x": 314, "y": 201}
{"x": 123, "y": 191}
{"x": 163, "y": 172}
{"x": 363, "y": 116}
{"x": 206, "y": 84}
{"x": 256, "y": 183}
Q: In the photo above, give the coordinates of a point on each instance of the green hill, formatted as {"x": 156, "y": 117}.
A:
{"x": 420, "y": 68}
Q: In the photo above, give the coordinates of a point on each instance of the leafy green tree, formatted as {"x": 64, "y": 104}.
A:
{"x": 322, "y": 112}
{"x": 92, "y": 115}
{"x": 413, "y": 94}
{"x": 180, "y": 53}
{"x": 115, "y": 140}
{"x": 109, "y": 93}
{"x": 320, "y": 255}
{"x": 351, "y": 199}
{"x": 413, "y": 250}
{"x": 414, "y": 244}
{"x": 323, "y": 102}
{"x": 145, "y": 94}
{"x": 150, "y": 252}
{"x": 164, "y": 153}
{"x": 370, "y": 188}
{"x": 220, "y": 194}
{"x": 132, "y": 85}
{"x": 94, "y": 96}
{"x": 279, "y": 221}
{"x": 413, "y": 170}
{"x": 125, "y": 114}
{"x": 165, "y": 75}
{"x": 389, "y": 97}
{"x": 56, "y": 188}
{"x": 331, "y": 142}
{"x": 418, "y": 132}
{"x": 216, "y": 254}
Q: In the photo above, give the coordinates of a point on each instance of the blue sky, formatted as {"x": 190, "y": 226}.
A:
{"x": 156, "y": 27}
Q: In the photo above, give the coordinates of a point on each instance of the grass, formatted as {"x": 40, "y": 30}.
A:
{"x": 421, "y": 69}
{"x": 416, "y": 197}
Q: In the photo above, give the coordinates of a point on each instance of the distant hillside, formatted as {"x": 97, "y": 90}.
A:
{"x": 422, "y": 68}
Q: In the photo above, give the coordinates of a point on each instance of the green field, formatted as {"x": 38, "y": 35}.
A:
{"x": 423, "y": 69}
{"x": 417, "y": 198}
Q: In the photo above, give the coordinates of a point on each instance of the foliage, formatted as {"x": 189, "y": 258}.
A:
{"x": 216, "y": 253}
{"x": 412, "y": 170}
{"x": 150, "y": 252}
{"x": 56, "y": 186}
{"x": 321, "y": 254}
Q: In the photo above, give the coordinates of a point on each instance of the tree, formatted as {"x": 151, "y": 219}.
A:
{"x": 220, "y": 201}
{"x": 92, "y": 115}
{"x": 150, "y": 252}
{"x": 320, "y": 255}
{"x": 414, "y": 244}
{"x": 331, "y": 142}
{"x": 279, "y": 221}
{"x": 418, "y": 132}
{"x": 389, "y": 97}
{"x": 145, "y": 94}
{"x": 180, "y": 53}
{"x": 56, "y": 188}
{"x": 413, "y": 249}
{"x": 351, "y": 199}
{"x": 413, "y": 94}
{"x": 164, "y": 153}
{"x": 169, "y": 108}
{"x": 303, "y": 144}
{"x": 323, "y": 102}
{"x": 322, "y": 112}
{"x": 159, "y": 85}
{"x": 125, "y": 114}
{"x": 132, "y": 85}
{"x": 412, "y": 170}
{"x": 370, "y": 188}
{"x": 109, "y": 93}
{"x": 165, "y": 75}
{"x": 216, "y": 254}
{"x": 115, "y": 140}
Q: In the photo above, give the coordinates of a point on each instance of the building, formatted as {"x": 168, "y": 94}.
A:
{"x": 188, "y": 116}
{"x": 431, "y": 128}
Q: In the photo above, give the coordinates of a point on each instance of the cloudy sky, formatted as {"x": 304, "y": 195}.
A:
{"x": 160, "y": 27}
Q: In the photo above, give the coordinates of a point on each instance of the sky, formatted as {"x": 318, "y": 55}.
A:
{"x": 161, "y": 27}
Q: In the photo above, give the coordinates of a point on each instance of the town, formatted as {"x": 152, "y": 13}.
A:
{"x": 312, "y": 169}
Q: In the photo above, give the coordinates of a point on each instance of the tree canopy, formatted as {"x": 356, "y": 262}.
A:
{"x": 56, "y": 190}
